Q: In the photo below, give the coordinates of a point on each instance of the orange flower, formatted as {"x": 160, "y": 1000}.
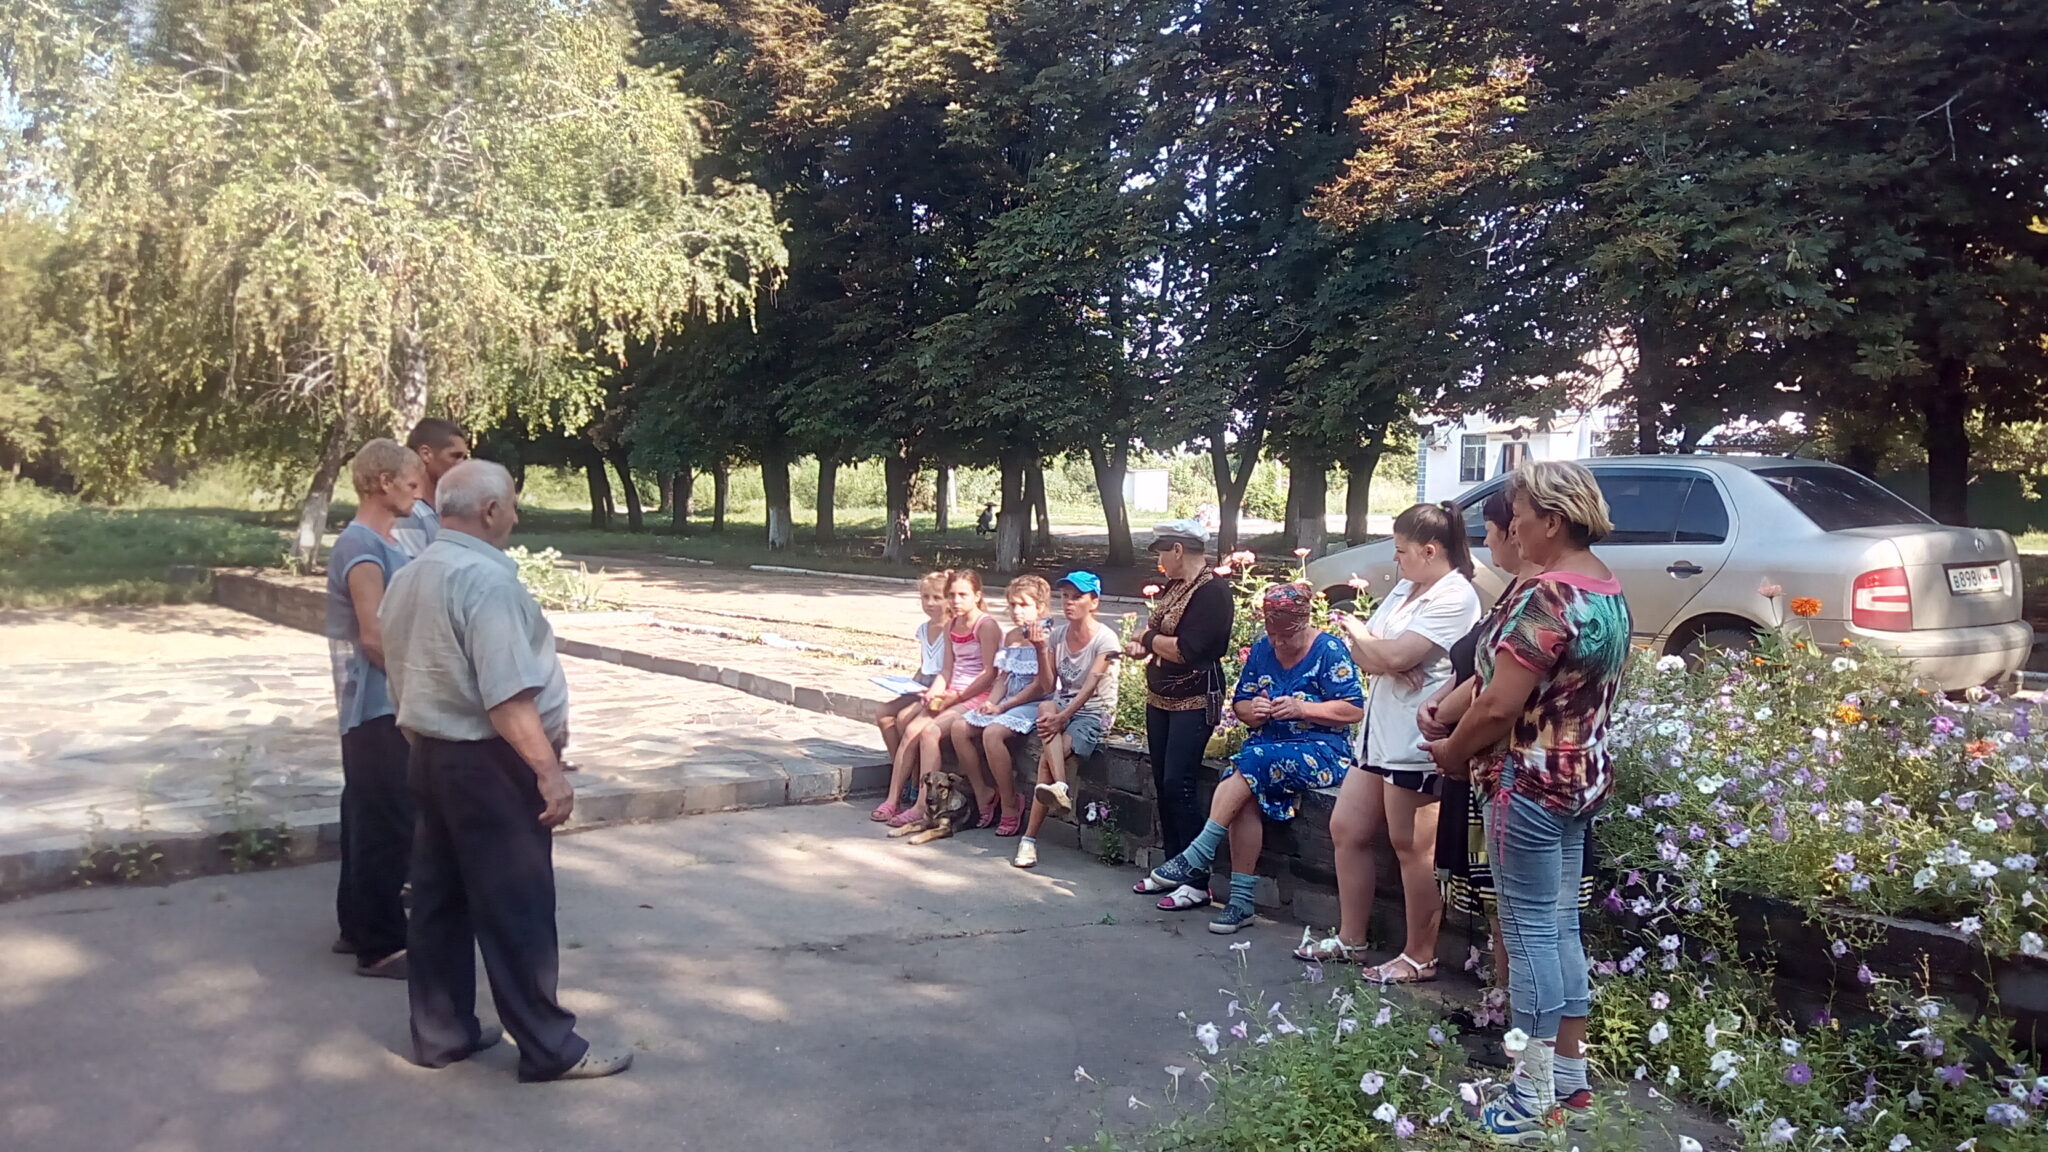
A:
{"x": 1979, "y": 749}
{"x": 1848, "y": 713}
{"x": 1799, "y": 644}
{"x": 1757, "y": 660}
{"x": 1848, "y": 643}
{"x": 1805, "y": 606}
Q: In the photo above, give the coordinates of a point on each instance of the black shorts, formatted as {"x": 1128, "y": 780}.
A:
{"x": 1425, "y": 781}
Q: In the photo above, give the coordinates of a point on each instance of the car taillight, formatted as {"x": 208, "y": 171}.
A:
{"x": 1882, "y": 601}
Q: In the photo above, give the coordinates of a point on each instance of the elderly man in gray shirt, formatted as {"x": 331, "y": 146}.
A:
{"x": 480, "y": 694}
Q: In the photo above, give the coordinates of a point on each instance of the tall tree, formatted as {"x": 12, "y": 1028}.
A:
{"x": 340, "y": 213}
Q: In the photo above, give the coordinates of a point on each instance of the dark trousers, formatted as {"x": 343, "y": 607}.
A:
{"x": 376, "y": 838}
{"x": 1177, "y": 741}
{"x": 483, "y": 878}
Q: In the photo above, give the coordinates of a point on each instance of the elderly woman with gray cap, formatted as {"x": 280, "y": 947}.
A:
{"x": 1182, "y": 646}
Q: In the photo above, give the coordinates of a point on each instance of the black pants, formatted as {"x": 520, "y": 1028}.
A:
{"x": 1177, "y": 741}
{"x": 376, "y": 838}
{"x": 483, "y": 878}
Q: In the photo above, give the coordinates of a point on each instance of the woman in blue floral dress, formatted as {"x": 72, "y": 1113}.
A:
{"x": 1299, "y": 694}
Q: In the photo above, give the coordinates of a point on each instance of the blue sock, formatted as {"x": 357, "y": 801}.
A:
{"x": 1241, "y": 886}
{"x": 1201, "y": 852}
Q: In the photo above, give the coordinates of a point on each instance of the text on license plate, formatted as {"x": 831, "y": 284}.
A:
{"x": 1963, "y": 581}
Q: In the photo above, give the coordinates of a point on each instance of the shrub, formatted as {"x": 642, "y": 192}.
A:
{"x": 557, "y": 588}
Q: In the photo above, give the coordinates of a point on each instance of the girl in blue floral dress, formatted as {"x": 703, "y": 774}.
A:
{"x": 1299, "y": 694}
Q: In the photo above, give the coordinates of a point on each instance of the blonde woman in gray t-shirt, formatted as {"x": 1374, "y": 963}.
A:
{"x": 1075, "y": 720}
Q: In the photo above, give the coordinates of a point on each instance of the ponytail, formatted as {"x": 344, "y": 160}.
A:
{"x": 1438, "y": 524}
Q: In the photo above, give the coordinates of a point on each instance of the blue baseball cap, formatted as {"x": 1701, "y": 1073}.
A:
{"x": 1087, "y": 582}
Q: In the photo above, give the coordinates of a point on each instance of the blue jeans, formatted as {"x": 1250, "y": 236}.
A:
{"x": 1537, "y": 856}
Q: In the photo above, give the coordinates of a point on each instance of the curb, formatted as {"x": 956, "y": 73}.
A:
{"x": 314, "y": 835}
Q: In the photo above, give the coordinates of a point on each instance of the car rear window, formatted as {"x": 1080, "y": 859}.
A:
{"x": 1836, "y": 498}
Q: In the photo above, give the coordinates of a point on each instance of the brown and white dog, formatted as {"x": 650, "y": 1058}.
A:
{"x": 948, "y": 806}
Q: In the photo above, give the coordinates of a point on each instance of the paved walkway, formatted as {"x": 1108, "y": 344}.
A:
{"x": 789, "y": 979}
{"x": 218, "y": 708}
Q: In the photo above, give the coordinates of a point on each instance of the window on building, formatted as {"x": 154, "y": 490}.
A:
{"x": 1512, "y": 454}
{"x": 1471, "y": 459}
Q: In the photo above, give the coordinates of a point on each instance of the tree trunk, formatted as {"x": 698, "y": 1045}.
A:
{"x": 320, "y": 493}
{"x": 944, "y": 493}
{"x": 828, "y": 491}
{"x": 775, "y": 486}
{"x": 600, "y": 490}
{"x": 1308, "y": 486}
{"x": 411, "y": 401}
{"x": 1860, "y": 456}
{"x": 679, "y": 500}
{"x": 1358, "y": 470}
{"x": 1110, "y": 469}
{"x": 1947, "y": 440}
{"x": 1230, "y": 486}
{"x": 635, "y": 515}
{"x": 721, "y": 485}
{"x": 897, "y": 471}
{"x": 1034, "y": 494}
{"x": 1012, "y": 518}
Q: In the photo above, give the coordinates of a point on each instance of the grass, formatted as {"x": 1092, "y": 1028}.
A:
{"x": 858, "y": 547}
{"x": 57, "y": 552}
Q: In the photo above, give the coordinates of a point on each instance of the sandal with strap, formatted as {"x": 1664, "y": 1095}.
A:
{"x": 989, "y": 813}
{"x": 906, "y": 818}
{"x": 1183, "y": 898}
{"x": 1012, "y": 825}
{"x": 884, "y": 812}
{"x": 1330, "y": 949}
{"x": 1423, "y": 973}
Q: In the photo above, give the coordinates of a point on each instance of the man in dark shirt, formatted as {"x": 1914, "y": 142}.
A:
{"x": 1182, "y": 646}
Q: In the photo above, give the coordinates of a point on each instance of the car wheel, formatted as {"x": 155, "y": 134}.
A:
{"x": 1718, "y": 640}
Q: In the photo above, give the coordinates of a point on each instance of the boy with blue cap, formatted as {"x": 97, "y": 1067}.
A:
{"x": 1078, "y": 716}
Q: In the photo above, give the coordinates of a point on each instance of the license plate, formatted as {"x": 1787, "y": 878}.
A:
{"x": 1971, "y": 579}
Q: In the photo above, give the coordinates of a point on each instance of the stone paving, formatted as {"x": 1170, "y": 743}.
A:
{"x": 177, "y": 744}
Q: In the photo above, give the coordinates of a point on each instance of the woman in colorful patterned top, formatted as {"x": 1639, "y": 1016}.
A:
{"x": 1549, "y": 669}
{"x": 1299, "y": 694}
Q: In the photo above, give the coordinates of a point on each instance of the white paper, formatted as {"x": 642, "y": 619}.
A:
{"x": 898, "y": 685}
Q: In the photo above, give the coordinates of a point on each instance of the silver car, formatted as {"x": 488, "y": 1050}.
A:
{"x": 1698, "y": 538}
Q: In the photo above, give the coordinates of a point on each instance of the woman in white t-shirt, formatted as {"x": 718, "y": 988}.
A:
{"x": 1405, "y": 649}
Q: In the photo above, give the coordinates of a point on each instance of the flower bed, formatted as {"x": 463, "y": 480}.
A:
{"x": 1827, "y": 781}
{"x": 1830, "y": 779}
{"x": 1825, "y": 923}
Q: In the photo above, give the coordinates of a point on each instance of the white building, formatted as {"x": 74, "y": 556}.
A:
{"x": 1455, "y": 455}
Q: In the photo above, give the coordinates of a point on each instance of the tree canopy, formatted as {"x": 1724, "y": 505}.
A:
{"x": 683, "y": 234}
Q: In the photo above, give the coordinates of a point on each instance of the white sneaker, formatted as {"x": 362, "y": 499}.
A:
{"x": 1027, "y": 856}
{"x": 1055, "y": 797}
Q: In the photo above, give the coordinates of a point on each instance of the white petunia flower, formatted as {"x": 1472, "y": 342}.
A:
{"x": 1371, "y": 1083}
{"x": 1788, "y": 1046}
{"x": 1515, "y": 1041}
{"x": 1670, "y": 664}
{"x": 1386, "y": 1113}
{"x": 1659, "y": 1033}
{"x": 2031, "y": 944}
{"x": 1900, "y": 1143}
{"x": 1207, "y": 1036}
{"x": 1688, "y": 1144}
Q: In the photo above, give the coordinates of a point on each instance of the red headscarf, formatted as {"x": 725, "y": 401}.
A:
{"x": 1287, "y": 607}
